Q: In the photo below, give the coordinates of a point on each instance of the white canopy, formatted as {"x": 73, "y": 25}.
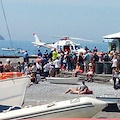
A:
{"x": 112, "y": 36}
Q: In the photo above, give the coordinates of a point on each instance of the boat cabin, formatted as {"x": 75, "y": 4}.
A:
{"x": 113, "y": 41}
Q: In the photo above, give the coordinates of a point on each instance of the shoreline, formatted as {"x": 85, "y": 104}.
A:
{"x": 16, "y": 59}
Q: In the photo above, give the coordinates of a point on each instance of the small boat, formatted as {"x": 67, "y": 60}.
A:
{"x": 63, "y": 80}
{"x": 83, "y": 107}
{"x": 13, "y": 88}
{"x": 20, "y": 51}
{"x": 112, "y": 100}
{"x": 8, "y": 49}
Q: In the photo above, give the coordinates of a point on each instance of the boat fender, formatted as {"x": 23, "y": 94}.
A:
{"x": 6, "y": 75}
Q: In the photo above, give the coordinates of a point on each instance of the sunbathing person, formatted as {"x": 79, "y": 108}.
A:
{"x": 83, "y": 89}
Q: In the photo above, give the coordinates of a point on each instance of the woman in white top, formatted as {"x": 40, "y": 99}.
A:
{"x": 57, "y": 64}
{"x": 114, "y": 62}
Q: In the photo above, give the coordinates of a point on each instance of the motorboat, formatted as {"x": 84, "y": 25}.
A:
{"x": 20, "y": 51}
{"x": 112, "y": 100}
{"x": 63, "y": 80}
{"x": 8, "y": 49}
{"x": 13, "y": 88}
{"x": 83, "y": 107}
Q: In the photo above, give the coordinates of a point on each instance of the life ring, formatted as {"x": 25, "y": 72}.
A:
{"x": 6, "y": 75}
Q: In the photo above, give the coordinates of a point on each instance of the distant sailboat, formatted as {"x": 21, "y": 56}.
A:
{"x": 1, "y": 38}
{"x": 8, "y": 49}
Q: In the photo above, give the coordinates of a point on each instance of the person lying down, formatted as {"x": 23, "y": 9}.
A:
{"x": 83, "y": 89}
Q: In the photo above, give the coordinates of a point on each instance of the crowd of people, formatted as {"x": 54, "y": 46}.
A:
{"x": 51, "y": 63}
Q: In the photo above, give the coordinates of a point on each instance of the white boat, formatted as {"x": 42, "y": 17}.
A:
{"x": 112, "y": 100}
{"x": 8, "y": 49}
{"x": 20, "y": 51}
{"x": 63, "y": 80}
{"x": 12, "y": 90}
{"x": 83, "y": 107}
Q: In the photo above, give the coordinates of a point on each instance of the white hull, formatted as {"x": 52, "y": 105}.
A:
{"x": 61, "y": 80}
{"x": 12, "y": 90}
{"x": 110, "y": 100}
{"x": 84, "y": 107}
{"x": 8, "y": 49}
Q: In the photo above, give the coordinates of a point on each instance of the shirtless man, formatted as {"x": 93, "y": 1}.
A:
{"x": 7, "y": 66}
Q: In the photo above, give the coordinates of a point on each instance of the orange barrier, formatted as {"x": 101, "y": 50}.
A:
{"x": 6, "y": 75}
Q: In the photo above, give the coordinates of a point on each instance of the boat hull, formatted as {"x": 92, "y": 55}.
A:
{"x": 12, "y": 90}
{"x": 84, "y": 107}
{"x": 8, "y": 49}
{"x": 60, "y": 80}
{"x": 113, "y": 102}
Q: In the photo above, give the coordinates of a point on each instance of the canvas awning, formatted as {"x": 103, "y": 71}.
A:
{"x": 112, "y": 36}
{"x": 108, "y": 40}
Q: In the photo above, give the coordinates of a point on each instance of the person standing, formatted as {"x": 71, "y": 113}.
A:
{"x": 46, "y": 69}
{"x": 54, "y": 54}
{"x": 39, "y": 53}
{"x": 115, "y": 76}
{"x": 57, "y": 64}
{"x": 86, "y": 58}
{"x": 81, "y": 60}
{"x": 95, "y": 59}
{"x": 26, "y": 57}
{"x": 95, "y": 49}
{"x": 114, "y": 62}
{"x": 1, "y": 67}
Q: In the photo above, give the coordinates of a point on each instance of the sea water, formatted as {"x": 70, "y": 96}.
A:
{"x": 32, "y": 50}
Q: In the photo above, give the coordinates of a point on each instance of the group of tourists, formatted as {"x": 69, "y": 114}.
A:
{"x": 51, "y": 63}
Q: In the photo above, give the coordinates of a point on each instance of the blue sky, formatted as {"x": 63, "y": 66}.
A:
{"x": 89, "y": 19}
